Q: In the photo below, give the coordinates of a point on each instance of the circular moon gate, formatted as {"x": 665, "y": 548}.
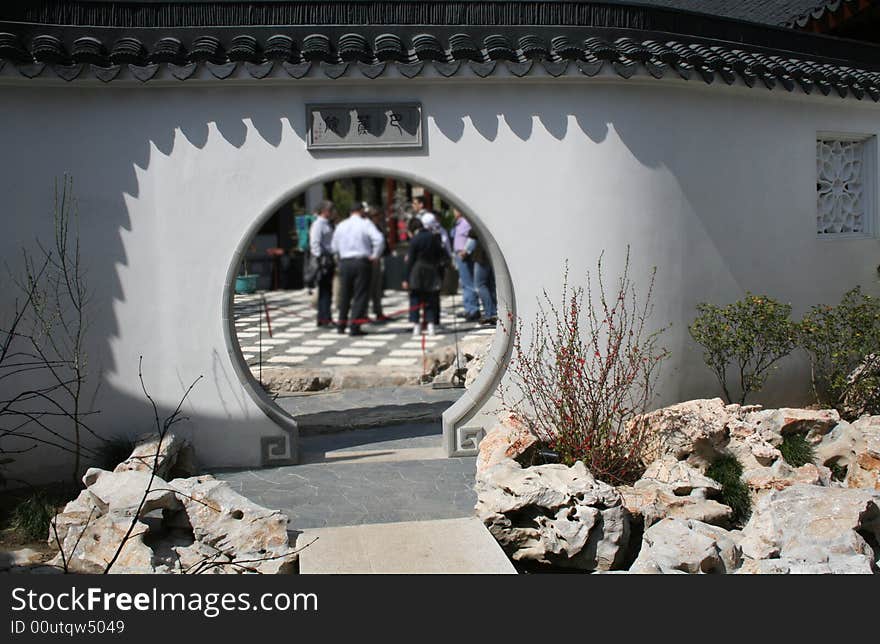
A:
{"x": 459, "y": 439}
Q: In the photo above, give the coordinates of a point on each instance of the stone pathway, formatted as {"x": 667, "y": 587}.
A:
{"x": 297, "y": 341}
{"x": 384, "y": 500}
{"x": 385, "y": 475}
{"x": 445, "y": 546}
{"x": 367, "y": 408}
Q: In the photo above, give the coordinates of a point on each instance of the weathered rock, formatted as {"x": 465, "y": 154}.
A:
{"x": 856, "y": 447}
{"x": 90, "y": 547}
{"x": 654, "y": 501}
{"x": 20, "y": 560}
{"x": 687, "y": 546}
{"x": 474, "y": 367}
{"x": 671, "y": 488}
{"x": 173, "y": 458}
{"x": 815, "y": 423}
{"x": 864, "y": 473}
{"x": 195, "y": 524}
{"x": 753, "y": 446}
{"x": 106, "y": 492}
{"x": 509, "y": 438}
{"x": 840, "y": 446}
{"x": 815, "y": 529}
{"x": 679, "y": 476}
{"x": 553, "y": 514}
{"x": 231, "y": 524}
{"x": 122, "y": 491}
{"x": 444, "y": 362}
{"x": 781, "y": 475}
{"x": 695, "y": 430}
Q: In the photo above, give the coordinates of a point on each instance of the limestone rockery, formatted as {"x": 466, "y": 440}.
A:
{"x": 182, "y": 523}
{"x": 820, "y": 517}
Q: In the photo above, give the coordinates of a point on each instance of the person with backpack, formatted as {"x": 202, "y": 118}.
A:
{"x": 423, "y": 276}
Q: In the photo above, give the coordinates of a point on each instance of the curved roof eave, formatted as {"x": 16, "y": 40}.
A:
{"x": 478, "y": 34}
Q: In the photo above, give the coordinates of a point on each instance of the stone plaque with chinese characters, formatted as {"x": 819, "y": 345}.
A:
{"x": 341, "y": 126}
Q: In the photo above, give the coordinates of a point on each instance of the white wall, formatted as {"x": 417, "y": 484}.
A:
{"x": 715, "y": 186}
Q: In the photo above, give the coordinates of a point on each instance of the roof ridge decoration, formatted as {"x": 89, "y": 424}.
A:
{"x": 825, "y": 13}
{"x": 353, "y": 52}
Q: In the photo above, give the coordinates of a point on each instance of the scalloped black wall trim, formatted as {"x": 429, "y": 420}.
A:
{"x": 336, "y": 54}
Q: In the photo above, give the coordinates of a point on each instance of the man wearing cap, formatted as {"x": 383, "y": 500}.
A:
{"x": 359, "y": 244}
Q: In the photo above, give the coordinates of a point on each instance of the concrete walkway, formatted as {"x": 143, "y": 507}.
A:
{"x": 385, "y": 475}
{"x": 445, "y": 546}
{"x": 380, "y": 500}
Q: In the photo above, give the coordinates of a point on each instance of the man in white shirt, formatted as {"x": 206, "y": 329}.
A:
{"x": 320, "y": 236}
{"x": 359, "y": 244}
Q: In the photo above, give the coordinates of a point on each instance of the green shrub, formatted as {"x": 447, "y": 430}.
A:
{"x": 838, "y": 471}
{"x": 342, "y": 196}
{"x": 843, "y": 343}
{"x": 796, "y": 450}
{"x": 585, "y": 374}
{"x": 30, "y": 516}
{"x": 734, "y": 492}
{"x": 747, "y": 337}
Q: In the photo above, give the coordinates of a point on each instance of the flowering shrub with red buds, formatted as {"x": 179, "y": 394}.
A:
{"x": 586, "y": 371}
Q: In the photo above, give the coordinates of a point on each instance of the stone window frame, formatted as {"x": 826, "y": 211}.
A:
{"x": 870, "y": 178}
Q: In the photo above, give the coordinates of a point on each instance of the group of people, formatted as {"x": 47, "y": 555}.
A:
{"x": 359, "y": 244}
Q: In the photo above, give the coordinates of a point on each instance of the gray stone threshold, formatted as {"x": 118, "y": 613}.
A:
{"x": 319, "y": 413}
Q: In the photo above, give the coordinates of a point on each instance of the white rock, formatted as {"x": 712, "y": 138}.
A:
{"x": 235, "y": 526}
{"x": 553, "y": 514}
{"x": 509, "y": 438}
{"x": 679, "y": 476}
{"x": 814, "y": 527}
{"x": 174, "y": 458}
{"x": 695, "y": 430}
{"x": 815, "y": 423}
{"x": 687, "y": 546}
{"x": 654, "y": 501}
{"x": 195, "y": 524}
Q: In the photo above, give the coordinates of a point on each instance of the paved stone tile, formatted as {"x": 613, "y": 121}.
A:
{"x": 287, "y": 359}
{"x": 340, "y": 361}
{"x": 304, "y": 350}
{"x": 355, "y": 351}
{"x": 293, "y": 325}
{"x": 445, "y": 546}
{"x": 406, "y": 353}
{"x": 354, "y": 492}
{"x": 397, "y": 362}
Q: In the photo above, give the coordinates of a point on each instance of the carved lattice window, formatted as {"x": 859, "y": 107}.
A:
{"x": 841, "y": 186}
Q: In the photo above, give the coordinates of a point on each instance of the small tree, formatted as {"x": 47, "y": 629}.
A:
{"x": 843, "y": 343}
{"x": 42, "y": 348}
{"x": 748, "y": 337}
{"x": 588, "y": 370}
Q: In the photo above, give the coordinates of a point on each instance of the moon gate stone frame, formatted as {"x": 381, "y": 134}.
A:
{"x": 462, "y": 432}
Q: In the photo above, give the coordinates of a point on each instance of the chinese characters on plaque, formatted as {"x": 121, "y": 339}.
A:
{"x": 371, "y": 125}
